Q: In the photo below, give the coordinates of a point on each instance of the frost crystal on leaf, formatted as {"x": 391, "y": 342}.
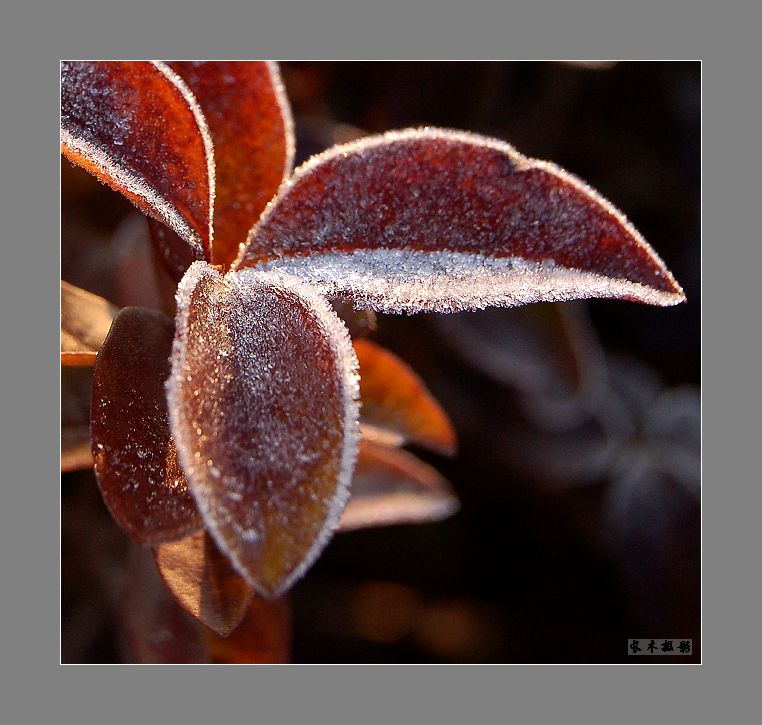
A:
{"x": 414, "y": 281}
{"x": 263, "y": 407}
{"x": 137, "y": 127}
{"x": 442, "y": 220}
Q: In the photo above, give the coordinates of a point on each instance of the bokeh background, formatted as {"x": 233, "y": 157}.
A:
{"x": 579, "y": 424}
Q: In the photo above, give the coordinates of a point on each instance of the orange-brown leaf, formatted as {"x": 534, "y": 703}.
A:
{"x": 250, "y": 123}
{"x": 396, "y": 401}
{"x": 154, "y": 628}
{"x": 391, "y": 486}
{"x": 137, "y": 127}
{"x": 263, "y": 409}
{"x": 263, "y": 637}
{"x": 85, "y": 322}
{"x": 203, "y": 581}
{"x": 136, "y": 462}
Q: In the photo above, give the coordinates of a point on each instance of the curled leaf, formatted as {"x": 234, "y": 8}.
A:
{"x": 395, "y": 401}
{"x": 136, "y": 462}
{"x": 434, "y": 220}
{"x": 137, "y": 127}
{"x": 263, "y": 409}
{"x": 85, "y": 322}
{"x": 203, "y": 582}
{"x": 250, "y": 124}
{"x": 394, "y": 487}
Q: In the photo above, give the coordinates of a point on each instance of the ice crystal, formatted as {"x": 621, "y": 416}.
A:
{"x": 416, "y": 281}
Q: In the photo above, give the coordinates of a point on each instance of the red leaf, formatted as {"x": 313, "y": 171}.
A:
{"x": 137, "y": 127}
{"x": 250, "y": 124}
{"x": 394, "y": 487}
{"x": 203, "y": 582}
{"x": 396, "y": 401}
{"x": 85, "y": 321}
{"x": 442, "y": 220}
{"x": 263, "y": 409}
{"x": 135, "y": 458}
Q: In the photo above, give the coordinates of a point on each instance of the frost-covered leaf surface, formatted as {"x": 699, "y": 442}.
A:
{"x": 263, "y": 637}
{"x": 136, "y": 462}
{"x": 203, "y": 581}
{"x": 250, "y": 124}
{"x": 391, "y": 486}
{"x": 442, "y": 220}
{"x": 396, "y": 401}
{"x": 137, "y": 127}
{"x": 85, "y": 322}
{"x": 263, "y": 409}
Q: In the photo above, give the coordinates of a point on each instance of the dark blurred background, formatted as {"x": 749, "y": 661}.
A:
{"x": 579, "y": 424}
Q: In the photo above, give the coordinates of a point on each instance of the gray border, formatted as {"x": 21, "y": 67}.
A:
{"x": 36, "y": 689}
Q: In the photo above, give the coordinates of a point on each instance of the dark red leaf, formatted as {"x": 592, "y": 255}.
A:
{"x": 250, "y": 123}
{"x": 203, "y": 582}
{"x": 85, "y": 321}
{"x": 396, "y": 401}
{"x": 137, "y": 127}
{"x": 135, "y": 459}
{"x": 391, "y": 486}
{"x": 263, "y": 409}
{"x": 443, "y": 220}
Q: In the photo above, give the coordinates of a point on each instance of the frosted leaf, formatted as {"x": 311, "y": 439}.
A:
{"x": 136, "y": 462}
{"x": 391, "y": 486}
{"x": 85, "y": 322}
{"x": 411, "y": 281}
{"x": 203, "y": 582}
{"x": 250, "y": 124}
{"x": 137, "y": 127}
{"x": 396, "y": 401}
{"x": 443, "y": 220}
{"x": 263, "y": 408}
